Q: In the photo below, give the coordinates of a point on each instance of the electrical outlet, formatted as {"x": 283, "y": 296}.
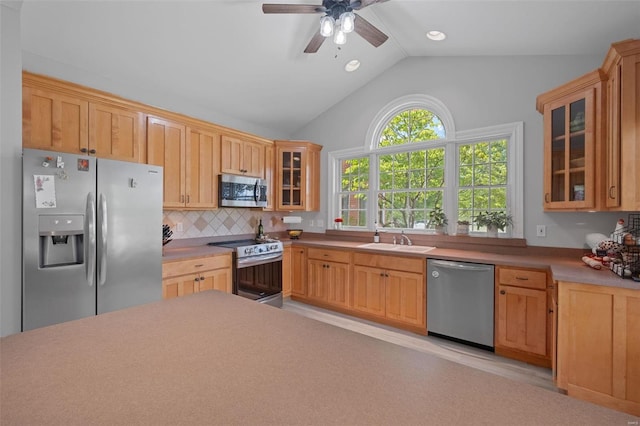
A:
{"x": 179, "y": 227}
{"x": 541, "y": 231}
{"x": 311, "y": 223}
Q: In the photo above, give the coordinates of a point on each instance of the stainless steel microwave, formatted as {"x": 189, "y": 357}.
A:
{"x": 241, "y": 191}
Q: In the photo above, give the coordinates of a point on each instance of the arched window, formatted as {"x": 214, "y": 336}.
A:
{"x": 414, "y": 164}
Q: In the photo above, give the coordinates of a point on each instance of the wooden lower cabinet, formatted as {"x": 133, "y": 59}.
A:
{"x": 299, "y": 271}
{"x": 183, "y": 277}
{"x": 598, "y": 345}
{"x": 369, "y": 290}
{"x": 383, "y": 287}
{"x": 523, "y": 315}
{"x": 328, "y": 279}
{"x": 286, "y": 271}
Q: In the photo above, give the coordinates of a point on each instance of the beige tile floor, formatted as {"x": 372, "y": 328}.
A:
{"x": 463, "y": 354}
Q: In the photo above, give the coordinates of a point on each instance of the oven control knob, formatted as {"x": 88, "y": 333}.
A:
{"x": 260, "y": 249}
{"x": 247, "y": 250}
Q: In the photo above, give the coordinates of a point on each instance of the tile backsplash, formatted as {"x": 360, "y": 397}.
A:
{"x": 221, "y": 222}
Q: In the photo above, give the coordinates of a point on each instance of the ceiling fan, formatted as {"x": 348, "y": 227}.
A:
{"x": 338, "y": 14}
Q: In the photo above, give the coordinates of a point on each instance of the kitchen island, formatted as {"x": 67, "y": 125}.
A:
{"x": 215, "y": 358}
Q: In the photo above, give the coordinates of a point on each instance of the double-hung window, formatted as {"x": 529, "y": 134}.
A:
{"x": 415, "y": 162}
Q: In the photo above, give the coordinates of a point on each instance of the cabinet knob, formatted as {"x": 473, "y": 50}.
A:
{"x": 546, "y": 197}
{"x": 187, "y": 199}
{"x": 381, "y": 274}
{"x": 197, "y": 279}
{"x": 550, "y": 311}
{"x": 83, "y": 150}
{"x": 503, "y": 292}
{"x": 92, "y": 151}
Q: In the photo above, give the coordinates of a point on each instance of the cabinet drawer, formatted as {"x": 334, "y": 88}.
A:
{"x": 396, "y": 263}
{"x": 172, "y": 269}
{"x": 522, "y": 278}
{"x": 324, "y": 254}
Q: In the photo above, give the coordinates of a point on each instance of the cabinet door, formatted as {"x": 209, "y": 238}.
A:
{"x": 405, "y": 297}
{"x": 253, "y": 159}
{"x": 369, "y": 290}
{"x": 54, "y": 122}
{"x": 202, "y": 169}
{"x": 242, "y": 157}
{"x": 217, "y": 279}
{"x": 269, "y": 175}
{"x": 569, "y": 167}
{"x": 231, "y": 151}
{"x": 522, "y": 319}
{"x": 612, "y": 144}
{"x": 115, "y": 133}
{"x": 291, "y": 178}
{"x": 180, "y": 286}
{"x": 299, "y": 271}
{"x": 166, "y": 142}
{"x": 338, "y": 284}
{"x": 317, "y": 282}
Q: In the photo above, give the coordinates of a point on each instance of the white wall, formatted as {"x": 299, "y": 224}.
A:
{"x": 136, "y": 92}
{"x": 479, "y": 92}
{"x": 10, "y": 168}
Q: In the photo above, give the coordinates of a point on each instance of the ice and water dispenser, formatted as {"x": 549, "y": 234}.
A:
{"x": 61, "y": 240}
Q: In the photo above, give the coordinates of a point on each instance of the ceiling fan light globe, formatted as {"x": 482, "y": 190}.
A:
{"x": 347, "y": 22}
{"x": 339, "y": 37}
{"x": 326, "y": 26}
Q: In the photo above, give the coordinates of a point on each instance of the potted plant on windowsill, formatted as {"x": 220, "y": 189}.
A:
{"x": 494, "y": 221}
{"x": 463, "y": 227}
{"x": 438, "y": 219}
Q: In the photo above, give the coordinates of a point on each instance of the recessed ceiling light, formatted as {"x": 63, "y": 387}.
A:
{"x": 352, "y": 65}
{"x": 436, "y": 35}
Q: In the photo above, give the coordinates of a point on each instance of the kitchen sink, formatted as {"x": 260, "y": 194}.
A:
{"x": 396, "y": 247}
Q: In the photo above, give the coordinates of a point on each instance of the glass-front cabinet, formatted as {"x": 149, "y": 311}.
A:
{"x": 297, "y": 176}
{"x": 292, "y": 176}
{"x": 571, "y": 144}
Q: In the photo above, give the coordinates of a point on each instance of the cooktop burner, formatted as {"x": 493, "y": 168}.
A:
{"x": 246, "y": 248}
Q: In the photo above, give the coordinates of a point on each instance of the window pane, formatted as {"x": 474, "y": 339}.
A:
{"x": 466, "y": 176}
{"x": 413, "y": 125}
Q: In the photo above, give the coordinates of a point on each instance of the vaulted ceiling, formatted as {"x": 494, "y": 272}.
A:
{"x": 229, "y": 57}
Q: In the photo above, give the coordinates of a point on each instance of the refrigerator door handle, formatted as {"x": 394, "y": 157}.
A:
{"x": 102, "y": 240}
{"x": 90, "y": 234}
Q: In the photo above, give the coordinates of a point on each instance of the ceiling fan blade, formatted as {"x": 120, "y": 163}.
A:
{"x": 315, "y": 43}
{"x": 369, "y": 32}
{"x": 291, "y": 8}
{"x": 365, "y": 3}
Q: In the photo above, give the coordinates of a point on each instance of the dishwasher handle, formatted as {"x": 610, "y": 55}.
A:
{"x": 461, "y": 266}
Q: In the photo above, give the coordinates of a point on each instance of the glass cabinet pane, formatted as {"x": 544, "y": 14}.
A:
{"x": 291, "y": 172}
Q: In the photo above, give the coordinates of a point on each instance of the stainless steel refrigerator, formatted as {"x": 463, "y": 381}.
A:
{"x": 92, "y": 236}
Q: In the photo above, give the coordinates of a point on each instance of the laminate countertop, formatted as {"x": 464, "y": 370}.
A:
{"x": 213, "y": 358}
{"x": 570, "y": 269}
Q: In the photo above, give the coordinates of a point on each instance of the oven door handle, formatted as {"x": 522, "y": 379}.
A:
{"x": 246, "y": 262}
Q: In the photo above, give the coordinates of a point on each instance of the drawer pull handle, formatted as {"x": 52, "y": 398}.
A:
{"x": 522, "y": 278}
{"x": 612, "y": 193}
{"x": 546, "y": 197}
{"x": 198, "y": 265}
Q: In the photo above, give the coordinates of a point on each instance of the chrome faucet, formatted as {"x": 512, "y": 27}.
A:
{"x": 404, "y": 237}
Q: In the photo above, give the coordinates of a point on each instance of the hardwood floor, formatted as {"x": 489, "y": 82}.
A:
{"x": 452, "y": 351}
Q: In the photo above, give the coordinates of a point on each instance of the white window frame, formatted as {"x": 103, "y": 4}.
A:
{"x": 513, "y": 132}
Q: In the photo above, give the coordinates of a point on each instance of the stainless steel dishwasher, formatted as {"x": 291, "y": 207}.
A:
{"x": 460, "y": 302}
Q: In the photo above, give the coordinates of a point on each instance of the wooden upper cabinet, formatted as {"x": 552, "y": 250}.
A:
{"x": 573, "y": 129}
{"x": 202, "y": 169}
{"x": 166, "y": 147}
{"x": 269, "y": 175}
{"x": 53, "y": 121}
{"x": 116, "y": 133}
{"x": 242, "y": 157}
{"x": 622, "y": 142}
{"x": 297, "y": 177}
